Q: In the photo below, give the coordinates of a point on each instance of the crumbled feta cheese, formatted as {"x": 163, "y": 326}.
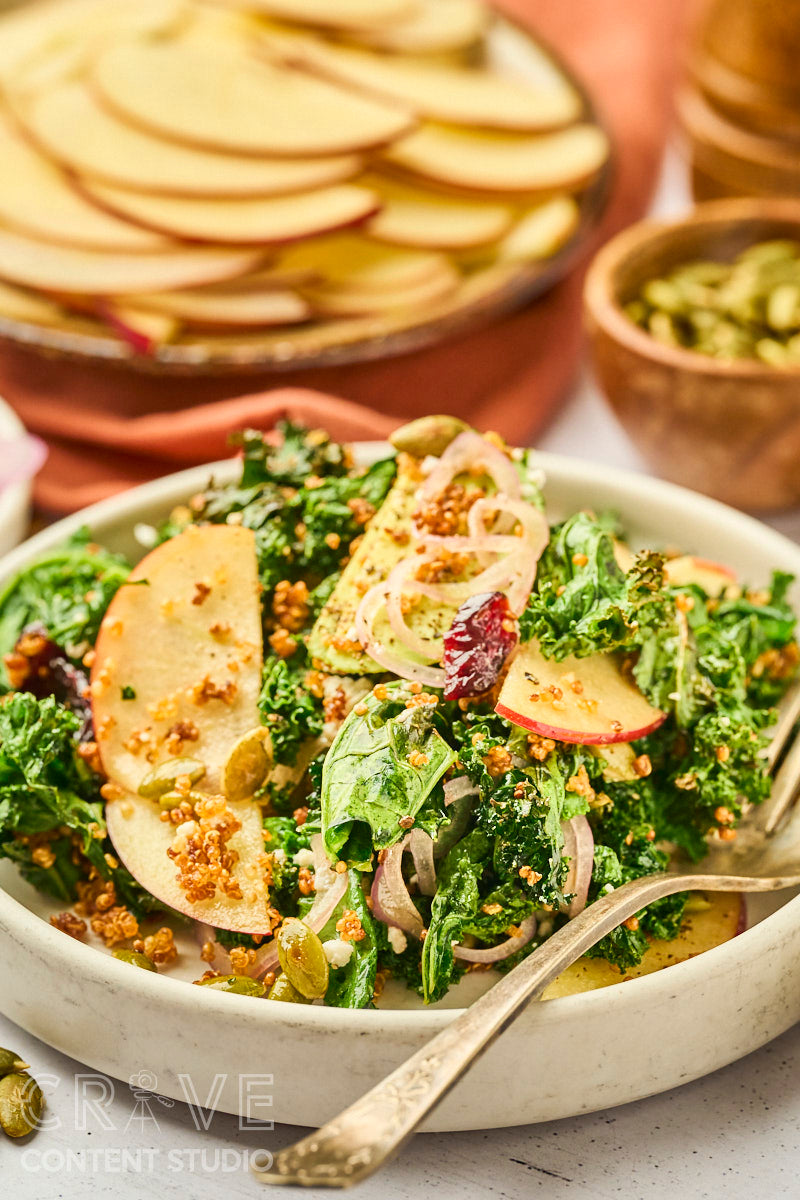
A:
{"x": 304, "y": 858}
{"x": 397, "y": 939}
{"x": 279, "y": 856}
{"x": 337, "y": 952}
{"x": 146, "y": 535}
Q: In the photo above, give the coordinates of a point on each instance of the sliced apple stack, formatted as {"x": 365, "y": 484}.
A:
{"x": 584, "y": 700}
{"x": 179, "y": 167}
{"x": 177, "y": 674}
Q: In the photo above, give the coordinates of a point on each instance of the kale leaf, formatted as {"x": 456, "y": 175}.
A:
{"x": 583, "y": 602}
{"x": 67, "y": 591}
{"x": 453, "y": 908}
{"x": 290, "y": 712}
{"x": 46, "y": 789}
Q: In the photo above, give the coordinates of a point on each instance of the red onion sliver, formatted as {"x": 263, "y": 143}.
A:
{"x": 421, "y": 847}
{"x": 370, "y": 605}
{"x": 493, "y": 954}
{"x": 579, "y": 848}
{"x": 456, "y": 789}
{"x": 391, "y": 902}
{"x": 466, "y": 452}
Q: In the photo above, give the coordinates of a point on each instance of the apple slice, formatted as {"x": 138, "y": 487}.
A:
{"x": 74, "y": 129}
{"x": 502, "y": 162}
{"x": 540, "y": 231}
{"x": 230, "y": 102}
{"x": 344, "y": 14}
{"x": 439, "y": 27}
{"x": 182, "y": 641}
{"x": 264, "y": 221}
{"x": 583, "y": 700}
{"x": 37, "y": 199}
{"x": 19, "y": 305}
{"x": 350, "y": 302}
{"x": 715, "y": 579}
{"x": 56, "y": 268}
{"x": 211, "y": 307}
{"x": 30, "y": 33}
{"x": 348, "y": 261}
{"x": 441, "y": 92}
{"x": 143, "y": 331}
{"x": 413, "y": 216}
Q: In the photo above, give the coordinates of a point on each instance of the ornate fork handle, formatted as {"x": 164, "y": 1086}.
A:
{"x": 365, "y": 1136}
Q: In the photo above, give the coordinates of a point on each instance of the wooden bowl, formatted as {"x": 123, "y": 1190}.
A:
{"x": 730, "y": 161}
{"x": 727, "y": 428}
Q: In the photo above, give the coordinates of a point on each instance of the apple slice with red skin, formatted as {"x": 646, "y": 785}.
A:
{"x": 583, "y": 700}
{"x": 714, "y": 578}
{"x": 182, "y": 639}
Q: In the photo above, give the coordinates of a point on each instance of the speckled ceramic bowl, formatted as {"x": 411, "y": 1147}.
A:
{"x": 560, "y": 1058}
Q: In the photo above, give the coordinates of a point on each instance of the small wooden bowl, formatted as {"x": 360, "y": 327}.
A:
{"x": 727, "y": 428}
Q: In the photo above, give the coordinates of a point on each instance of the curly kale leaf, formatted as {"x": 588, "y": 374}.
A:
{"x": 45, "y": 788}
{"x": 583, "y": 602}
{"x": 298, "y": 498}
{"x": 67, "y": 591}
{"x": 297, "y": 453}
{"x": 288, "y": 709}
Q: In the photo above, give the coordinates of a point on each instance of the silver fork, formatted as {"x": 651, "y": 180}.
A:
{"x": 370, "y": 1132}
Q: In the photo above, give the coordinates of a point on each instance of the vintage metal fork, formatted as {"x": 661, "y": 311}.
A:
{"x": 365, "y": 1136}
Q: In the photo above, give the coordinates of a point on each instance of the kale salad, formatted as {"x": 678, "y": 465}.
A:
{"x": 349, "y": 723}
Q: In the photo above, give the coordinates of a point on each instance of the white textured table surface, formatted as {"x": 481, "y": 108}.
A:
{"x": 734, "y": 1134}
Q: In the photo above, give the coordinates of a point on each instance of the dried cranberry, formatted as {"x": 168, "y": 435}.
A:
{"x": 48, "y": 672}
{"x": 483, "y": 634}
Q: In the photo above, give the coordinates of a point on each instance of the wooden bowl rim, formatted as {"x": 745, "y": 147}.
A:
{"x": 601, "y": 299}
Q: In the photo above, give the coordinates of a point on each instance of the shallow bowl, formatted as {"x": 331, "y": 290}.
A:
{"x": 560, "y": 1058}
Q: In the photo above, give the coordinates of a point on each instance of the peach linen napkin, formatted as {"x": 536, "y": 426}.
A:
{"x": 108, "y": 429}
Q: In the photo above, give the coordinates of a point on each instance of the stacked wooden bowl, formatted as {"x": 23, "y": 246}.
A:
{"x": 740, "y": 107}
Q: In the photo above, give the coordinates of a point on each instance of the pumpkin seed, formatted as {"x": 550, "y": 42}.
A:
{"x": 135, "y": 958}
{"x": 749, "y": 308}
{"x": 241, "y": 985}
{"x": 21, "y": 1104}
{"x": 164, "y": 777}
{"x": 302, "y": 958}
{"x": 427, "y": 435}
{"x": 282, "y": 989}
{"x": 247, "y": 765}
{"x": 10, "y": 1061}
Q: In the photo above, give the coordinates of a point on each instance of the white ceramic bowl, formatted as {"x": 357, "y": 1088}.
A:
{"x": 560, "y": 1058}
{"x": 15, "y": 500}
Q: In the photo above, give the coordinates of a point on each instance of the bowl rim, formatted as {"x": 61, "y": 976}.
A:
{"x": 16, "y": 495}
{"x": 102, "y": 969}
{"x": 508, "y": 295}
{"x": 602, "y": 306}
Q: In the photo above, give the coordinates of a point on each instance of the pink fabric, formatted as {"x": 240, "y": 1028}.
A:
{"x": 109, "y": 429}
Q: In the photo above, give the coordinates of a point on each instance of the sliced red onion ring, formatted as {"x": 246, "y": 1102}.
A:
{"x": 396, "y": 584}
{"x": 456, "y": 789}
{"x": 421, "y": 847}
{"x": 391, "y": 902}
{"x": 579, "y": 848}
{"x": 370, "y": 605}
{"x": 494, "y": 954}
{"x": 469, "y": 452}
